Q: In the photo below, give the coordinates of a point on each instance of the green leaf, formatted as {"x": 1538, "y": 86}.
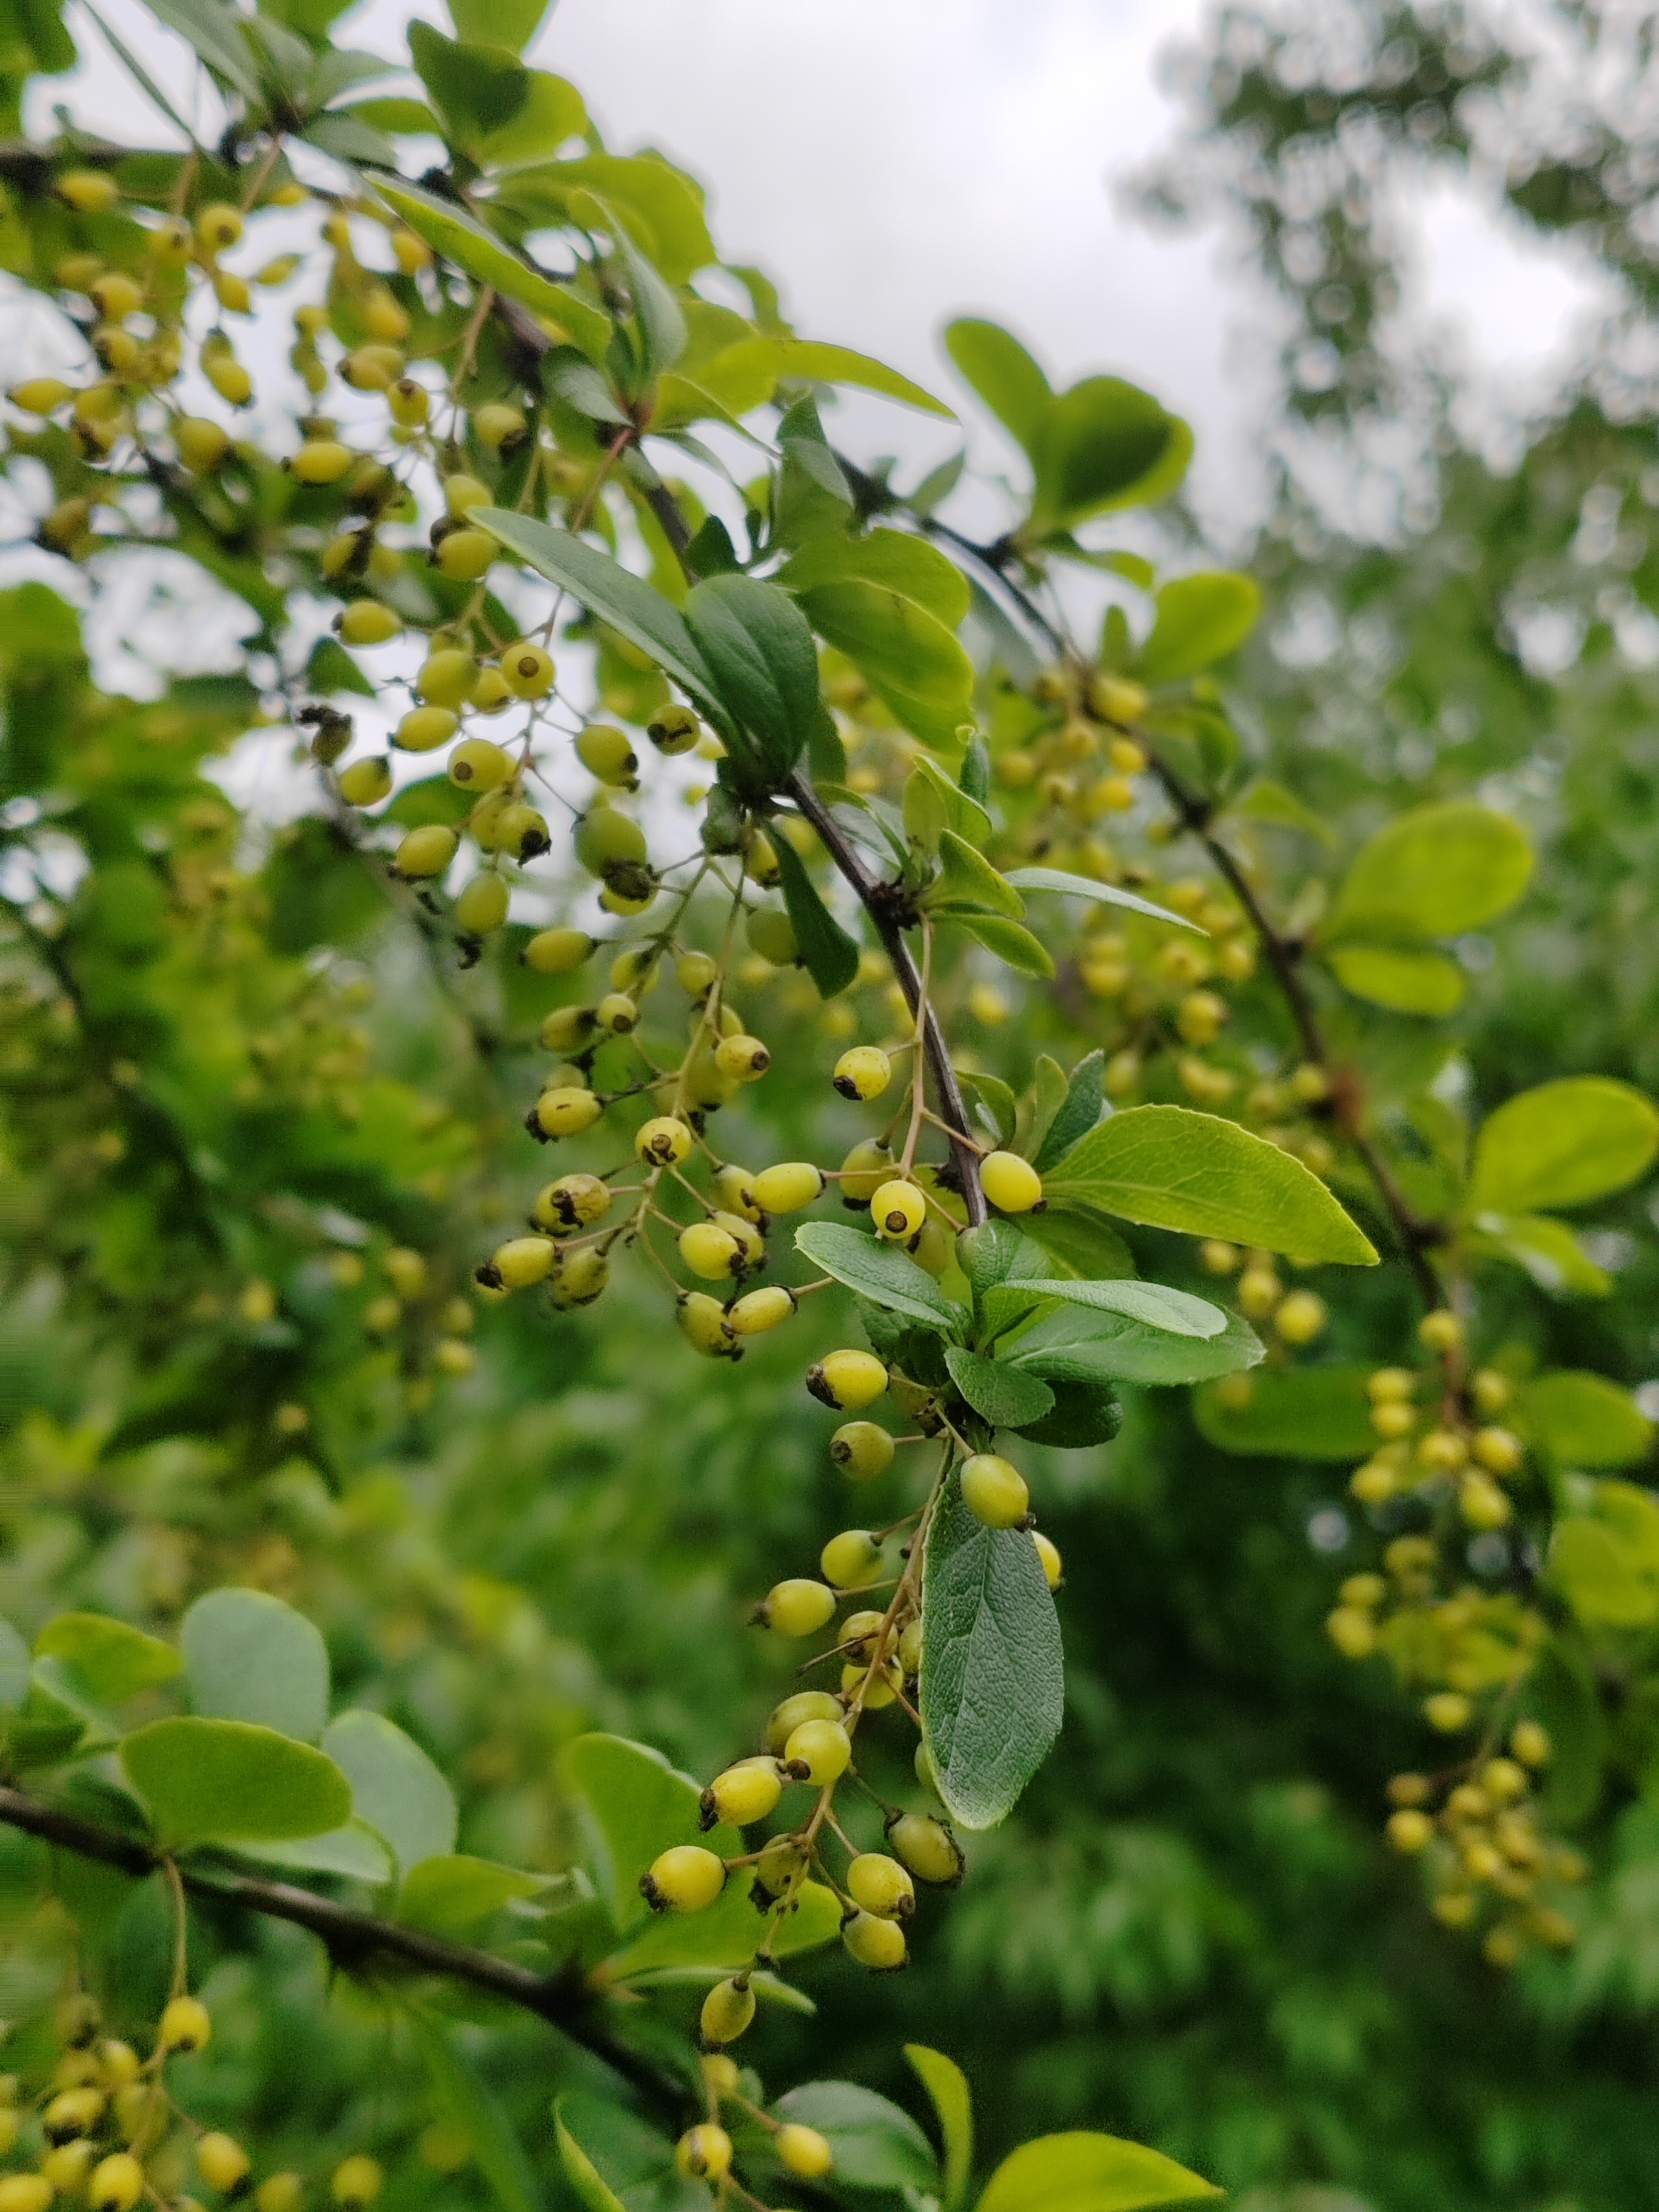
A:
{"x": 478, "y": 88}
{"x": 722, "y": 1938}
{"x": 551, "y": 112}
{"x": 469, "y": 2104}
{"x": 13, "y": 1669}
{"x": 1082, "y": 1242}
{"x": 580, "y": 2171}
{"x": 1267, "y": 801}
{"x": 109, "y": 1659}
{"x": 1156, "y": 1305}
{"x": 331, "y": 668}
{"x": 1084, "y": 1413}
{"x": 754, "y": 641}
{"x": 1057, "y": 879}
{"x": 1095, "y": 444}
{"x": 893, "y": 603}
{"x": 451, "y": 231}
{"x": 937, "y": 805}
{"x": 448, "y": 1894}
{"x": 635, "y": 1805}
{"x": 353, "y": 1853}
{"x": 1080, "y": 2173}
{"x": 1171, "y": 1167}
{"x": 1407, "y": 981}
{"x": 661, "y": 207}
{"x": 250, "y": 1657}
{"x": 348, "y": 135}
{"x": 992, "y": 1252}
{"x": 510, "y": 23}
{"x": 1562, "y": 1693}
{"x": 395, "y": 1787}
{"x": 1013, "y": 944}
{"x": 1004, "y": 376}
{"x": 213, "y": 35}
{"x": 636, "y": 610}
{"x": 1067, "y": 1345}
{"x": 829, "y": 954}
{"x": 1434, "y": 872}
{"x": 431, "y": 798}
{"x": 947, "y": 2085}
{"x": 657, "y": 313}
{"x": 878, "y": 1271}
{"x": 1584, "y": 1420}
{"x": 1304, "y": 1413}
{"x": 1561, "y": 1145}
{"x": 877, "y": 2145}
{"x": 1200, "y": 619}
{"x": 967, "y": 878}
{"x": 1545, "y": 1247}
{"x": 998, "y": 1393}
{"x": 997, "y": 1098}
{"x": 1609, "y": 1581}
{"x": 1085, "y": 1095}
{"x": 813, "y": 498}
{"x": 214, "y": 1781}
{"x": 993, "y": 1685}
{"x": 806, "y": 361}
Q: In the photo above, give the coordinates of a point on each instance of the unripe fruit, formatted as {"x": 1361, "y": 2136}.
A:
{"x": 605, "y": 752}
{"x": 863, "y": 1172}
{"x": 909, "y": 1647}
{"x": 720, "y": 2074}
{"x": 426, "y": 851}
{"x": 40, "y": 395}
{"x": 408, "y": 402}
{"x": 705, "y": 1327}
{"x": 726, "y": 2012}
{"x": 1390, "y": 1382}
{"x": 554, "y": 952}
{"x": 1482, "y": 1503}
{"x": 356, "y": 2182}
{"x": 184, "y": 2026}
{"x": 847, "y": 1380}
{"x": 1441, "y": 1331}
{"x": 605, "y": 839}
{"x": 674, "y": 730}
{"x": 787, "y": 1187}
{"x": 445, "y": 678}
{"x": 757, "y": 1311}
{"x": 820, "y": 1751}
{"x": 217, "y": 228}
{"x": 994, "y": 1490}
{"x": 565, "y": 1112}
{"x": 322, "y": 461}
{"x": 478, "y": 765}
{"x": 1011, "y": 1184}
{"x": 743, "y": 1795}
{"x": 695, "y": 973}
{"x": 709, "y": 1252}
{"x": 898, "y": 1210}
{"x": 528, "y": 670}
{"x": 760, "y": 861}
{"x": 926, "y": 1848}
{"x": 521, "y": 832}
{"x": 366, "y": 622}
{"x": 495, "y": 424}
{"x": 1352, "y": 1630}
{"x": 1300, "y": 1317}
{"x": 805, "y": 1706}
{"x": 864, "y": 1072}
{"x": 579, "y": 1278}
{"x": 861, "y": 1449}
{"x": 734, "y": 1189}
{"x": 522, "y": 1262}
{"x": 366, "y": 781}
{"x": 1498, "y": 1451}
{"x": 406, "y": 1271}
{"x": 117, "y": 2183}
{"x": 798, "y": 1608}
{"x": 466, "y": 555}
{"x": 1409, "y": 1831}
{"x": 1392, "y": 1417}
{"x": 704, "y": 2153}
{"x": 876, "y": 1943}
{"x": 685, "y": 1878}
{"x": 744, "y": 1058}
{"x": 662, "y": 1141}
{"x": 880, "y": 1885}
{"x": 1259, "y": 1292}
{"x": 119, "y": 2062}
{"x": 573, "y": 1202}
{"x": 1447, "y": 1711}
{"x": 851, "y": 1560}
{"x": 423, "y": 729}
{"x": 25, "y": 2192}
{"x": 222, "y": 2162}
{"x": 482, "y": 906}
{"x": 73, "y": 2113}
{"x": 1491, "y": 1391}
{"x": 803, "y": 2150}
{"x": 489, "y": 693}
{"x": 616, "y": 1014}
{"x": 279, "y": 2192}
{"x": 88, "y": 192}
{"x": 773, "y": 936}
{"x": 1048, "y": 1555}
{"x": 68, "y": 2166}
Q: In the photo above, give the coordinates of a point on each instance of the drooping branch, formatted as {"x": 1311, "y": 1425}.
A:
{"x": 352, "y": 1937}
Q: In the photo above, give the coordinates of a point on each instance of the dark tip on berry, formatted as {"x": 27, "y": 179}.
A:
{"x": 708, "y": 1811}
{"x": 487, "y": 1275}
{"x": 819, "y": 1388}
{"x": 797, "y": 1769}
{"x": 651, "y": 1893}
{"x": 761, "y": 1617}
{"x": 470, "y": 949}
{"x": 760, "y": 1896}
{"x": 535, "y": 1128}
{"x": 846, "y": 1087}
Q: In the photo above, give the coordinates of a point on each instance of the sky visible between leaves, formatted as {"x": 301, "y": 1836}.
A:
{"x": 895, "y": 162}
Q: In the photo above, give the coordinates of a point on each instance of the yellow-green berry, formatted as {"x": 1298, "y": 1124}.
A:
{"x": 800, "y": 1606}
{"x": 685, "y": 1878}
{"x": 847, "y": 1380}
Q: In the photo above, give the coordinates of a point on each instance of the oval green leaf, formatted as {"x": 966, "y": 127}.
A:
{"x": 395, "y": 1787}
{"x": 1083, "y": 2172}
{"x": 1561, "y": 1145}
{"x": 1434, "y": 872}
{"x": 878, "y": 1271}
{"x": 1200, "y": 620}
{"x": 213, "y": 1781}
{"x": 250, "y": 1657}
